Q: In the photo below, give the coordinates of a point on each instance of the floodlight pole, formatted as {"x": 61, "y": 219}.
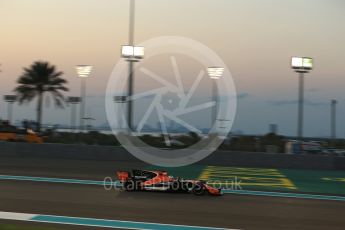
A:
{"x": 73, "y": 101}
{"x": 83, "y": 102}
{"x": 130, "y": 66}
{"x": 73, "y": 117}
{"x": 131, "y": 22}
{"x": 9, "y": 111}
{"x": 214, "y": 73}
{"x": 121, "y": 100}
{"x": 214, "y": 99}
{"x": 130, "y": 93}
{"x": 301, "y": 65}
{"x": 333, "y": 119}
{"x": 300, "y": 106}
{"x": 83, "y": 72}
{"x": 10, "y": 99}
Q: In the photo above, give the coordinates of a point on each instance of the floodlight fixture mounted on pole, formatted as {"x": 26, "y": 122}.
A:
{"x": 132, "y": 53}
{"x": 215, "y": 72}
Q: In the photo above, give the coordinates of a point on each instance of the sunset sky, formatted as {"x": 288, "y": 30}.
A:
{"x": 255, "y": 38}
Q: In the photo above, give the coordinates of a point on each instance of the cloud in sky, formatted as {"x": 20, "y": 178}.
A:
{"x": 294, "y": 102}
{"x": 243, "y": 95}
{"x": 312, "y": 90}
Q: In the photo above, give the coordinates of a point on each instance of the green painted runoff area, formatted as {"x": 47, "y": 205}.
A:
{"x": 22, "y": 227}
{"x": 265, "y": 179}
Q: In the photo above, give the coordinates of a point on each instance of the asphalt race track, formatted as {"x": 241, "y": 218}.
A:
{"x": 228, "y": 211}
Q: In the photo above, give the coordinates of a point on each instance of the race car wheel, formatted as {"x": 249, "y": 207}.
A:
{"x": 130, "y": 186}
{"x": 199, "y": 189}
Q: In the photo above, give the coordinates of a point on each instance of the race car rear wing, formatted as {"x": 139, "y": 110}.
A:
{"x": 122, "y": 176}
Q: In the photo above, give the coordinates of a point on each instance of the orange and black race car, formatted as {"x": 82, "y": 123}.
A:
{"x": 12, "y": 133}
{"x": 145, "y": 180}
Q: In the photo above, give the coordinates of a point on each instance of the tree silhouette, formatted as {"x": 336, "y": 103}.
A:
{"x": 38, "y": 79}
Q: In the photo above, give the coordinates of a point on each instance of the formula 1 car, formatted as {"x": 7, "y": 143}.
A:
{"x": 145, "y": 180}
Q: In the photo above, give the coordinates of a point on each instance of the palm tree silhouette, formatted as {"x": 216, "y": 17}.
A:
{"x": 38, "y": 79}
